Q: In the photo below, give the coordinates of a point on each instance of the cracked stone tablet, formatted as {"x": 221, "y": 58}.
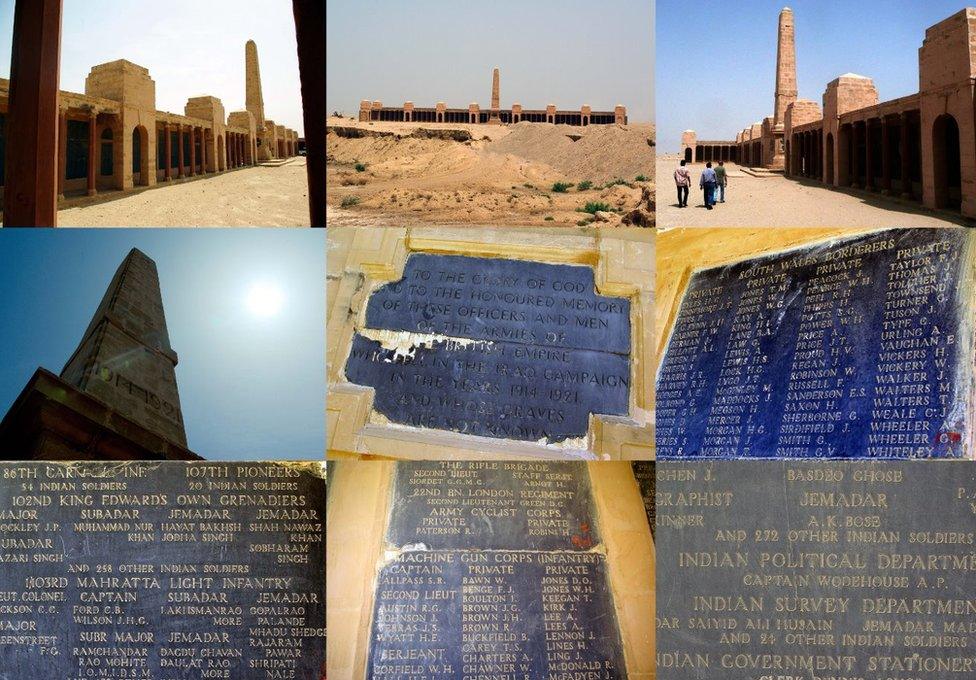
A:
{"x": 859, "y": 347}
{"x": 494, "y": 347}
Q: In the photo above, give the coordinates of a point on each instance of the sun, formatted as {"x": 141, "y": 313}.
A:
{"x": 265, "y": 299}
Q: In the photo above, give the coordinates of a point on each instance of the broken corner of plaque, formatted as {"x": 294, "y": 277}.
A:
{"x": 492, "y": 347}
{"x": 858, "y": 347}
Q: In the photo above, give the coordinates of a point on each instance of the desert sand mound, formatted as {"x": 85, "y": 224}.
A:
{"x": 486, "y": 174}
{"x": 597, "y": 153}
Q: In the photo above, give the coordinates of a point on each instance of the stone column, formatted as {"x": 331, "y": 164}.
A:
{"x": 92, "y": 146}
{"x": 254, "y": 98}
{"x": 906, "y": 157}
{"x": 62, "y": 162}
{"x": 32, "y": 122}
{"x": 169, "y": 152}
{"x": 193, "y": 151}
{"x": 855, "y": 156}
{"x": 179, "y": 140}
{"x": 785, "y": 67}
{"x": 885, "y": 156}
{"x": 868, "y": 157}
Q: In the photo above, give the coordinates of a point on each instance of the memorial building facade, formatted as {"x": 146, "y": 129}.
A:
{"x": 918, "y": 147}
{"x": 440, "y": 113}
{"x": 112, "y": 137}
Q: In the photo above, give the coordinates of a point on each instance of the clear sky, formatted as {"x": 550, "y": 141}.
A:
{"x": 251, "y": 386}
{"x": 191, "y": 48}
{"x": 716, "y": 63}
{"x": 565, "y": 52}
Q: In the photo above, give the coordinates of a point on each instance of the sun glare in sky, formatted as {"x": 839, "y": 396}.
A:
{"x": 265, "y": 299}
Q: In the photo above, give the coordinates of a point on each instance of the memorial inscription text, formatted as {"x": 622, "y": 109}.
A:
{"x": 498, "y": 600}
{"x": 825, "y": 569}
{"x": 854, "y": 348}
{"x": 493, "y": 347}
{"x": 161, "y": 571}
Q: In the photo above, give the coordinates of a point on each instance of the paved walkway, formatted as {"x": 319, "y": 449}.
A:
{"x": 780, "y": 202}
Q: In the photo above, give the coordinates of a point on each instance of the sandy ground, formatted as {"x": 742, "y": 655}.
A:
{"x": 250, "y": 197}
{"x": 501, "y": 175}
{"x": 779, "y": 202}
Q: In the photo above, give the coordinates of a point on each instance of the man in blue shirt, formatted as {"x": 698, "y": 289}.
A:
{"x": 707, "y": 184}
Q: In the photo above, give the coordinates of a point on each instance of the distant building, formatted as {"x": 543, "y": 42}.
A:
{"x": 408, "y": 113}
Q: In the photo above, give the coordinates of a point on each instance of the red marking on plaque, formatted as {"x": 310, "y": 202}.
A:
{"x": 948, "y": 438}
{"x": 585, "y": 541}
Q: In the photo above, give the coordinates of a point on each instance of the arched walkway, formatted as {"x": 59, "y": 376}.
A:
{"x": 829, "y": 169}
{"x": 140, "y": 156}
{"x": 946, "y": 157}
{"x": 688, "y": 155}
{"x": 107, "y": 163}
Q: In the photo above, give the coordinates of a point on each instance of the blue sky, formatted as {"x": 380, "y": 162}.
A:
{"x": 568, "y": 52}
{"x": 191, "y": 48}
{"x": 251, "y": 387}
{"x": 716, "y": 63}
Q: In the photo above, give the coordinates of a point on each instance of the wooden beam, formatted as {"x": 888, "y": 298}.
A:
{"x": 31, "y": 191}
{"x": 310, "y": 33}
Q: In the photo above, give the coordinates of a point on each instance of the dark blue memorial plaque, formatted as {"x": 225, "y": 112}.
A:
{"x": 493, "y": 505}
{"x": 505, "y": 390}
{"x": 168, "y": 571}
{"x": 860, "y": 347}
{"x": 502, "y": 348}
{"x": 450, "y": 615}
{"x": 816, "y": 569}
{"x": 481, "y": 298}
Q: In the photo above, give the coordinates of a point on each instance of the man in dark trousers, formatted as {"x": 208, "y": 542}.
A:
{"x": 682, "y": 179}
{"x": 707, "y": 184}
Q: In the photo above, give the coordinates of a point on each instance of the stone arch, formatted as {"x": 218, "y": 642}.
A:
{"x": 106, "y": 155}
{"x": 221, "y": 162}
{"x": 688, "y": 155}
{"x": 829, "y": 166}
{"x": 140, "y": 156}
{"x": 947, "y": 162}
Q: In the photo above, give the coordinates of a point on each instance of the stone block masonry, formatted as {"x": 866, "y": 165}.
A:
{"x": 112, "y": 137}
{"x": 409, "y": 113}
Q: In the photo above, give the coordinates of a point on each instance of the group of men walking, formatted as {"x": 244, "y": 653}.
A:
{"x": 713, "y": 181}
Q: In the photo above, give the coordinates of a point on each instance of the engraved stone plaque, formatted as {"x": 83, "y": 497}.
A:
{"x": 644, "y": 473}
{"x": 166, "y": 571}
{"x": 446, "y": 615}
{"x": 494, "y": 347}
{"x": 493, "y": 505}
{"x": 825, "y": 569}
{"x": 860, "y": 347}
{"x": 512, "y": 596}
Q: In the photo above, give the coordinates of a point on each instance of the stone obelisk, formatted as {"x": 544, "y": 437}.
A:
{"x": 124, "y": 359}
{"x": 774, "y": 154}
{"x": 255, "y": 99}
{"x": 785, "y": 67}
{"x": 495, "y": 106}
